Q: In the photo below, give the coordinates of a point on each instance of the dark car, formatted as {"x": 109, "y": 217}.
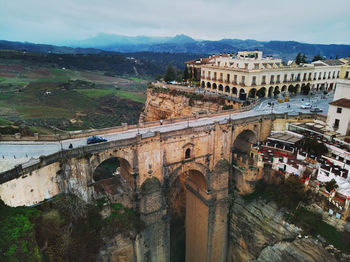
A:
{"x": 95, "y": 139}
{"x": 315, "y": 110}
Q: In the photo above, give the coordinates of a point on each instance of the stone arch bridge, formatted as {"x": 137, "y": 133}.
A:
{"x": 198, "y": 159}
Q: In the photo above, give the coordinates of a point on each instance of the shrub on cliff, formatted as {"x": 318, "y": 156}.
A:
{"x": 17, "y": 236}
{"x": 288, "y": 194}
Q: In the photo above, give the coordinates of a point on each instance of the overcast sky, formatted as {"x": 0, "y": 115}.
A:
{"x": 59, "y": 21}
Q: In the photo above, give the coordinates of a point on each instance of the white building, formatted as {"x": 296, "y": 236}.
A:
{"x": 338, "y": 117}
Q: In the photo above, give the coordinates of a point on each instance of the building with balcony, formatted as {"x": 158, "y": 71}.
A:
{"x": 249, "y": 75}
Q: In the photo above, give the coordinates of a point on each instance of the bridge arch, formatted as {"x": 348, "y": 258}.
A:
{"x": 244, "y": 141}
{"x": 221, "y": 88}
{"x": 208, "y": 85}
{"x": 189, "y": 213}
{"x": 113, "y": 178}
{"x": 214, "y": 86}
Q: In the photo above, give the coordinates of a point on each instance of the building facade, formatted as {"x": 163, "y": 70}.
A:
{"x": 338, "y": 117}
{"x": 249, "y": 75}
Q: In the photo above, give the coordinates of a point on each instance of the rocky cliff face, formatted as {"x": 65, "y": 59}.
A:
{"x": 162, "y": 105}
{"x": 259, "y": 232}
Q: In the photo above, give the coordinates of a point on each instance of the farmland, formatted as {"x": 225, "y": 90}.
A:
{"x": 42, "y": 97}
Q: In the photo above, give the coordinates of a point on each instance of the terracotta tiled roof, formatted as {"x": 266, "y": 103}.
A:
{"x": 342, "y": 102}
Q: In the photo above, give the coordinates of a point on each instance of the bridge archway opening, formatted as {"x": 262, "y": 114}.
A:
{"x": 113, "y": 179}
{"x": 203, "y": 84}
{"x": 221, "y": 88}
{"x": 189, "y": 217}
{"x": 214, "y": 86}
{"x": 243, "y": 143}
{"x": 208, "y": 85}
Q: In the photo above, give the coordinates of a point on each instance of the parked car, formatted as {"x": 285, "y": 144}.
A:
{"x": 315, "y": 110}
{"x": 306, "y": 106}
{"x": 95, "y": 139}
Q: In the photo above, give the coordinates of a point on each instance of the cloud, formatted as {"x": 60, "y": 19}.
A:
{"x": 316, "y": 21}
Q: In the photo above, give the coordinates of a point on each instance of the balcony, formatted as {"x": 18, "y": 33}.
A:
{"x": 214, "y": 79}
{"x": 234, "y": 82}
{"x": 242, "y": 84}
{"x": 263, "y": 83}
{"x": 253, "y": 84}
{"x": 221, "y": 81}
{"x": 278, "y": 81}
{"x": 272, "y": 82}
{"x": 208, "y": 78}
{"x": 227, "y": 81}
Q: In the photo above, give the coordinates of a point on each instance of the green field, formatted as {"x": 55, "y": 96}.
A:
{"x": 41, "y": 97}
{"x": 94, "y": 93}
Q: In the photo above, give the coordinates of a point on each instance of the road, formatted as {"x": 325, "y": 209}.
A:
{"x": 295, "y": 103}
{"x": 13, "y": 153}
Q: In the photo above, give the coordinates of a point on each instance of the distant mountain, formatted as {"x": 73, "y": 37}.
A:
{"x": 104, "y": 43}
{"x": 184, "y": 44}
{"x": 42, "y": 48}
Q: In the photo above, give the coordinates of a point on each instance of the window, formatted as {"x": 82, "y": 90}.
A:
{"x": 246, "y": 65}
{"x": 235, "y": 79}
{"x": 347, "y": 74}
{"x": 278, "y": 79}
{"x": 263, "y": 81}
{"x": 339, "y": 109}
{"x": 272, "y": 79}
{"x": 254, "y": 80}
{"x": 228, "y": 77}
{"x": 336, "y": 123}
{"x": 188, "y": 153}
{"x": 243, "y": 80}
{"x": 256, "y": 66}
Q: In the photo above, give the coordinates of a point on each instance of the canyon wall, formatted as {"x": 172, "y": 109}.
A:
{"x": 260, "y": 232}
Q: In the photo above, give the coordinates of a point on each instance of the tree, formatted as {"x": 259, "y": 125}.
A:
{"x": 186, "y": 74}
{"x": 312, "y": 146}
{"x": 330, "y": 185}
{"x": 298, "y": 59}
{"x": 304, "y": 59}
{"x": 170, "y": 74}
{"x": 317, "y": 57}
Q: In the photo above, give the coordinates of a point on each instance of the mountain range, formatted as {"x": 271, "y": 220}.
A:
{"x": 183, "y": 44}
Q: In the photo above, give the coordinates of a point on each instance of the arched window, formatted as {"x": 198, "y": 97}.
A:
{"x": 187, "y": 153}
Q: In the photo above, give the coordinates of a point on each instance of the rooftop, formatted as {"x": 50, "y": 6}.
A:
{"x": 342, "y": 102}
{"x": 284, "y": 138}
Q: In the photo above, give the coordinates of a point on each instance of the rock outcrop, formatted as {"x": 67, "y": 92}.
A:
{"x": 166, "y": 105}
{"x": 259, "y": 232}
